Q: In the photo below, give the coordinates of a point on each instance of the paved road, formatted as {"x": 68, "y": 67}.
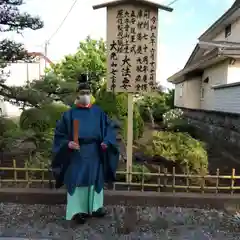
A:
{"x": 16, "y": 238}
{"x": 150, "y": 223}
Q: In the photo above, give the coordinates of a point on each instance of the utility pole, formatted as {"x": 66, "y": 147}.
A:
{"x": 46, "y": 52}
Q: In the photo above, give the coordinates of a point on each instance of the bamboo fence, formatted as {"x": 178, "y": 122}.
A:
{"x": 161, "y": 180}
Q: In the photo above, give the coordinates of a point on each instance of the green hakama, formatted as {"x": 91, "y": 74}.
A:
{"x": 84, "y": 200}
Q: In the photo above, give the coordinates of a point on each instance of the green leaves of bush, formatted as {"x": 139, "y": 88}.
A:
{"x": 179, "y": 147}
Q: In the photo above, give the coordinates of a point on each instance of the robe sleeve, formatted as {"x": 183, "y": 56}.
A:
{"x": 111, "y": 155}
{"x": 60, "y": 142}
{"x": 110, "y": 135}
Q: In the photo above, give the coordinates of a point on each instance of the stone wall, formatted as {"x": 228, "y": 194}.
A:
{"x": 222, "y": 126}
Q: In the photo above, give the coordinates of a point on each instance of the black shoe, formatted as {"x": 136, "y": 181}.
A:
{"x": 99, "y": 213}
{"x": 80, "y": 218}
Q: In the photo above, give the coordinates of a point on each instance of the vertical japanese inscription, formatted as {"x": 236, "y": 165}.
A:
{"x": 143, "y": 23}
{"x": 132, "y": 42}
{"x": 126, "y": 65}
{"x": 153, "y": 45}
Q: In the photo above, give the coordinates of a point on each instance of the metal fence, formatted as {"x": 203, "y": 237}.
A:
{"x": 161, "y": 180}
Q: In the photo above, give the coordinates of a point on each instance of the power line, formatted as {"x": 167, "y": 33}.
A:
{"x": 61, "y": 24}
{"x": 171, "y": 3}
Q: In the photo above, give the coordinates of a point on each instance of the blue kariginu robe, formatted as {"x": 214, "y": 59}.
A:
{"x": 85, "y": 171}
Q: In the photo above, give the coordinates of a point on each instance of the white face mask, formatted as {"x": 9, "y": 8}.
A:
{"x": 84, "y": 99}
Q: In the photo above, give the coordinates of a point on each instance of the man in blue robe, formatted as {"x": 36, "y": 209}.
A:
{"x": 85, "y": 167}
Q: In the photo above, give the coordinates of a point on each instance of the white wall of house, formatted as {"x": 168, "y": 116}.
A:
{"x": 20, "y": 74}
{"x": 233, "y": 37}
{"x": 227, "y": 99}
{"x": 178, "y": 95}
{"x": 199, "y": 94}
{"x": 3, "y": 110}
{"x": 187, "y": 93}
{"x": 234, "y": 72}
{"x": 216, "y": 75}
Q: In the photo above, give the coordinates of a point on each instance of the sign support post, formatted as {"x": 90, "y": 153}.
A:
{"x": 129, "y": 138}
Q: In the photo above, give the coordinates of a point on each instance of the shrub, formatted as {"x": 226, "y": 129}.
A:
{"x": 53, "y": 113}
{"x": 180, "y": 148}
{"x": 135, "y": 168}
{"x": 6, "y": 124}
{"x": 158, "y": 103}
{"x": 41, "y": 119}
{"x": 171, "y": 116}
{"x": 181, "y": 125}
{"x": 44, "y": 144}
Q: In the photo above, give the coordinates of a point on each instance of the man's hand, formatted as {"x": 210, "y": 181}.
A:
{"x": 73, "y": 145}
{"x": 104, "y": 146}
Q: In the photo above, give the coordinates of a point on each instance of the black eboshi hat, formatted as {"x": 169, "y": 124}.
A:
{"x": 83, "y": 82}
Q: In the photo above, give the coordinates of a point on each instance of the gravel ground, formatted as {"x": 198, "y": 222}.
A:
{"x": 150, "y": 223}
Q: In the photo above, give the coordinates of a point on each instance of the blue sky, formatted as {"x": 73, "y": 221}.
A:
{"x": 178, "y": 31}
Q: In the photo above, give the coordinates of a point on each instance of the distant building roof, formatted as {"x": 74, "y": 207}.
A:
{"x": 39, "y": 54}
{"x": 228, "y": 17}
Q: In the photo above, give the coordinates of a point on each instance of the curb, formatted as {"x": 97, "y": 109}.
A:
{"x": 126, "y": 198}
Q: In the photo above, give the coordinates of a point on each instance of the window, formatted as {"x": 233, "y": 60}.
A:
{"x": 202, "y": 93}
{"x": 206, "y": 80}
{"x": 228, "y": 30}
{"x": 181, "y": 90}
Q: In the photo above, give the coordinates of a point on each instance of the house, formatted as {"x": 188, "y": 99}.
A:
{"x": 21, "y": 73}
{"x": 210, "y": 80}
{"x": 3, "y": 111}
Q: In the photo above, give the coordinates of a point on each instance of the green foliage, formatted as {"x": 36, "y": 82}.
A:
{"x": 53, "y": 113}
{"x": 170, "y": 98}
{"x": 11, "y": 19}
{"x": 90, "y": 58}
{"x": 138, "y": 124}
{"x": 173, "y": 121}
{"x": 10, "y": 133}
{"x": 43, "y": 156}
{"x": 34, "y": 119}
{"x": 171, "y": 116}
{"x": 181, "y": 148}
{"x": 42, "y": 119}
{"x": 140, "y": 169}
{"x": 181, "y": 125}
{"x": 137, "y": 168}
{"x": 115, "y": 105}
{"x": 6, "y": 124}
{"x": 60, "y": 82}
{"x": 156, "y": 103}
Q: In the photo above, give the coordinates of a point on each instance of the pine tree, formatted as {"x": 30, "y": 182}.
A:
{"x": 12, "y": 19}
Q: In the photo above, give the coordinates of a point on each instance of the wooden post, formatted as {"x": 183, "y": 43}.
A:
{"x": 129, "y": 137}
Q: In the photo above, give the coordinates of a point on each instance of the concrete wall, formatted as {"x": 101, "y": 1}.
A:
{"x": 223, "y": 127}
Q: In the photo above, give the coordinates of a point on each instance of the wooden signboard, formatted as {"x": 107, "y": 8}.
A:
{"x": 132, "y": 38}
